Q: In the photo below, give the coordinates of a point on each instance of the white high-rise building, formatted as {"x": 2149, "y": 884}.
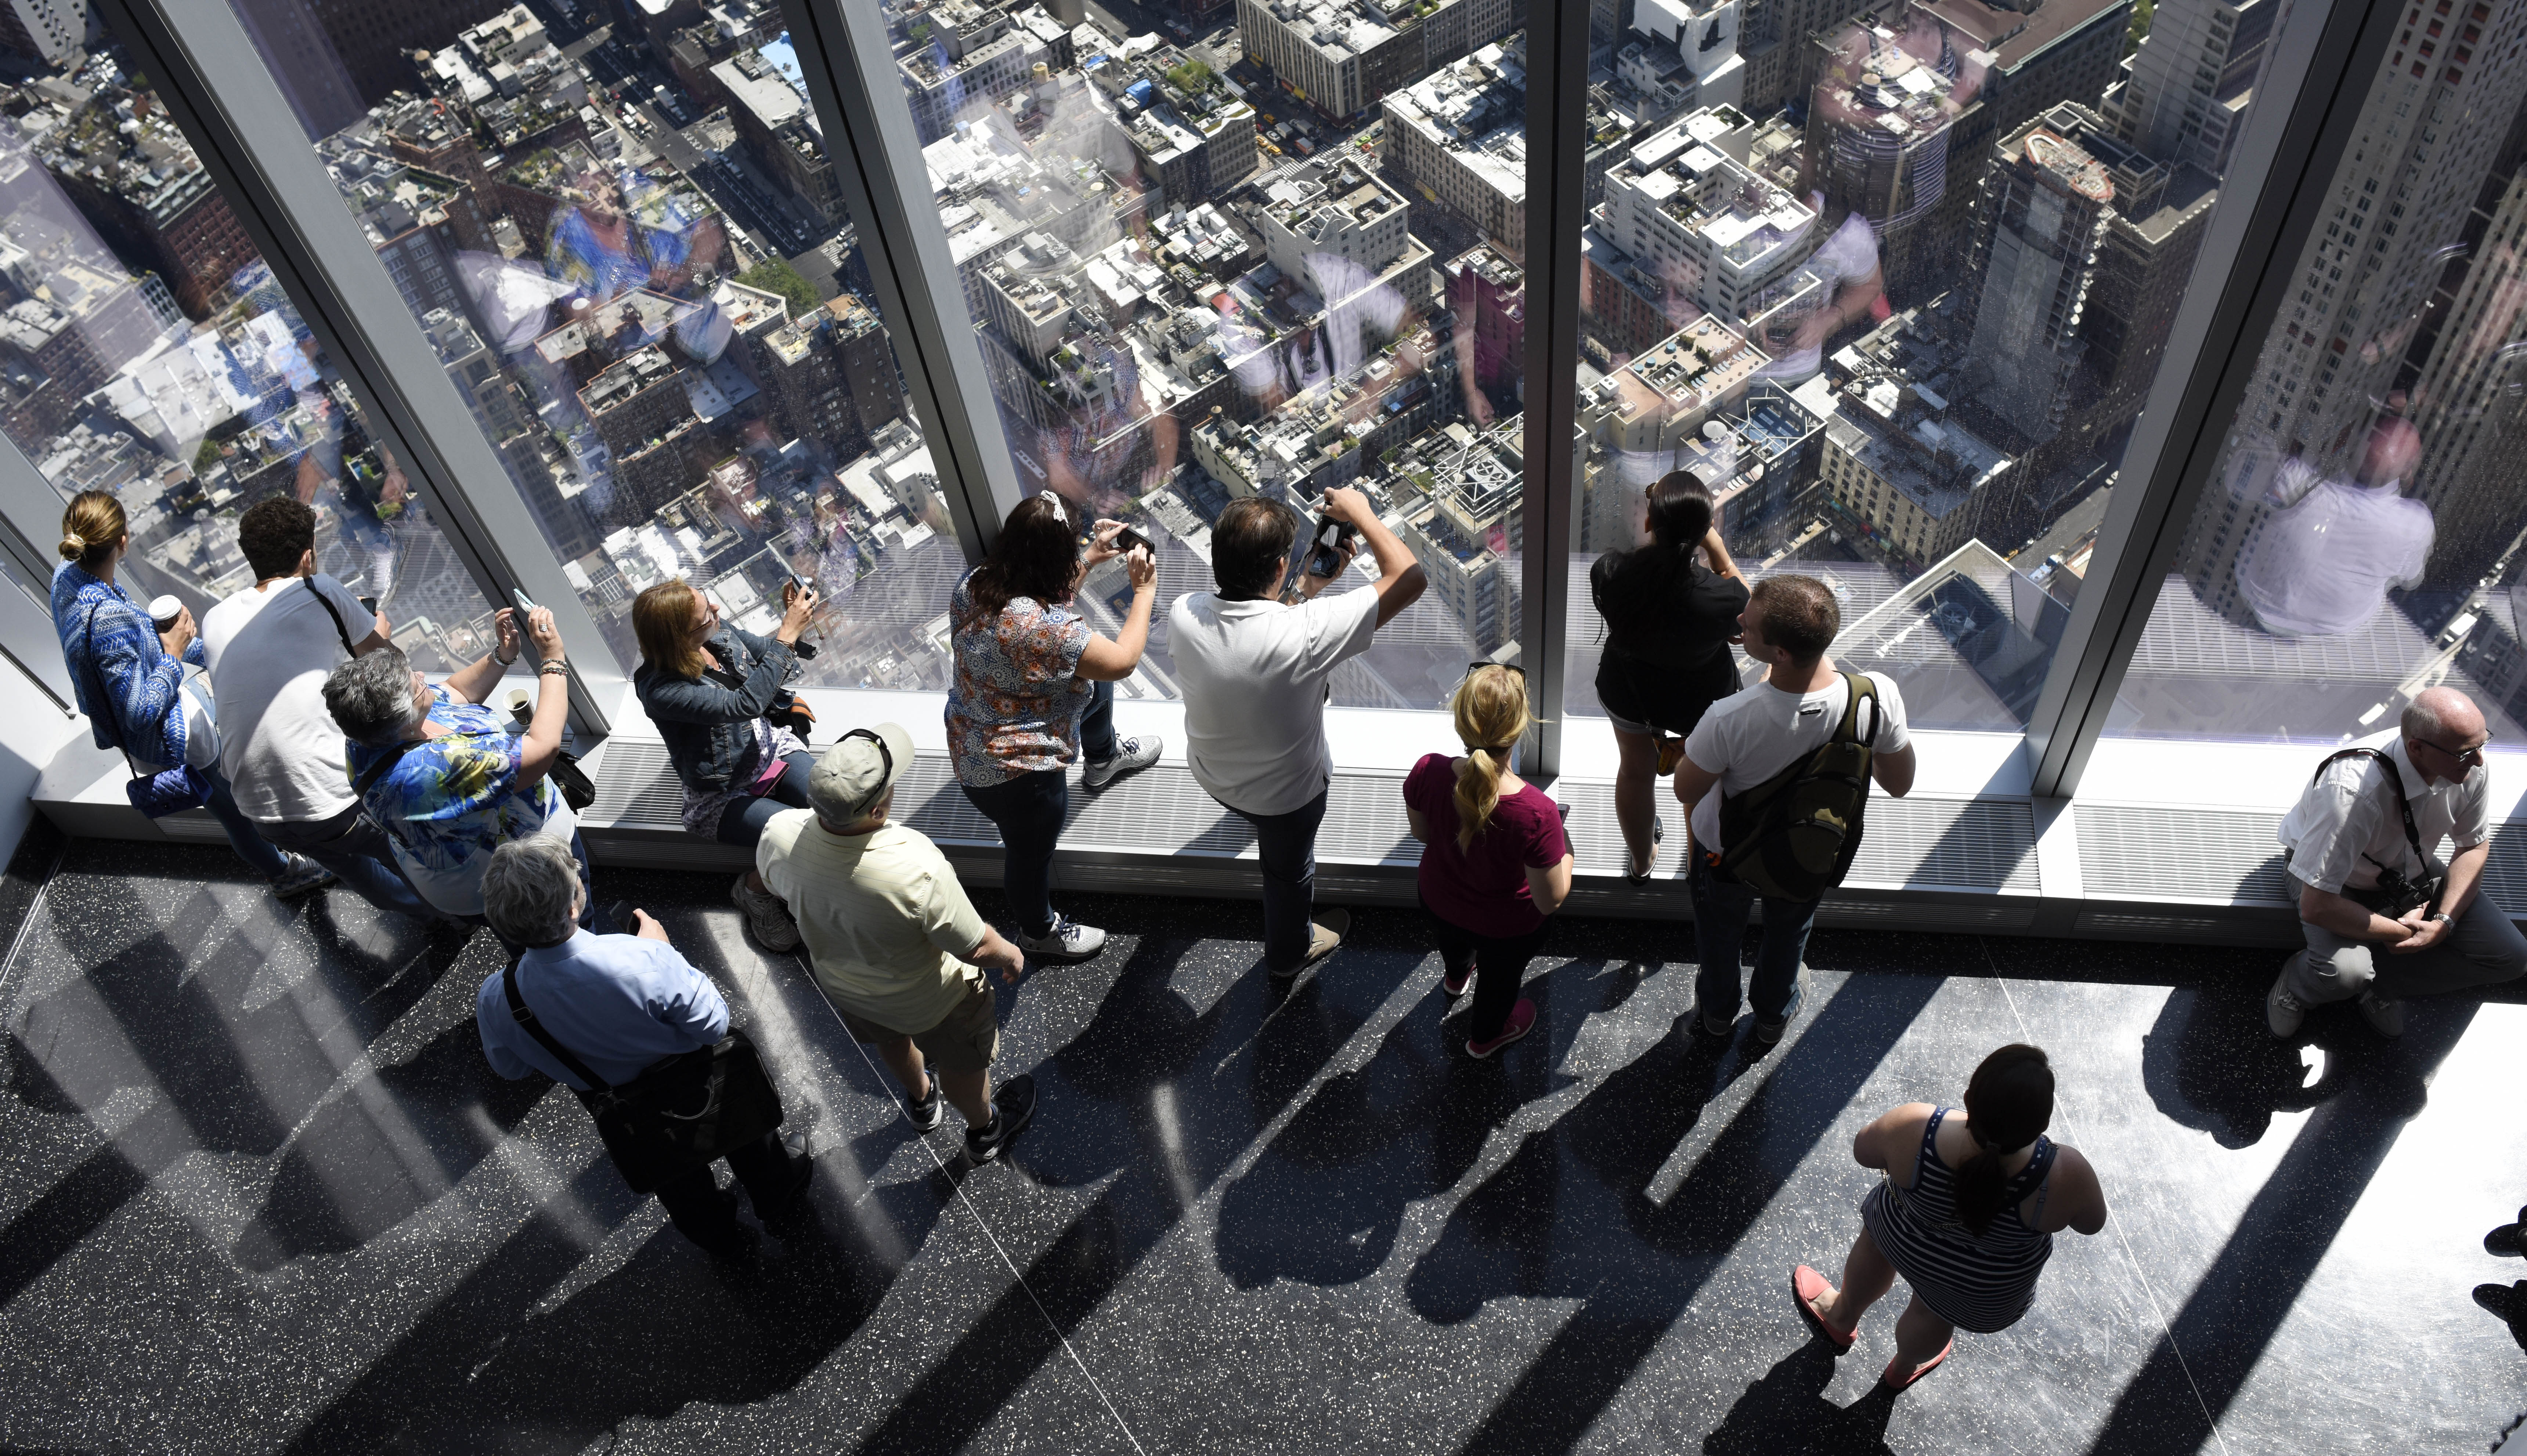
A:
{"x": 2191, "y": 78}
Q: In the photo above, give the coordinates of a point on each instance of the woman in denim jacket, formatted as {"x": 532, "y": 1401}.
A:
{"x": 707, "y": 687}
{"x": 130, "y": 679}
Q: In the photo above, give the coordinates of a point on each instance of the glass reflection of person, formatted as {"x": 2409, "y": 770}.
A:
{"x": 2322, "y": 565}
{"x": 603, "y": 252}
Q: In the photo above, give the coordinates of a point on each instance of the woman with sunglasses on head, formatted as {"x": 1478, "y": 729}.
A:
{"x": 709, "y": 687}
{"x": 1034, "y": 690}
{"x": 1494, "y": 860}
{"x": 1671, "y": 607}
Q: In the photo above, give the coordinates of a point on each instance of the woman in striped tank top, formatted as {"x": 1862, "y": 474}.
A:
{"x": 1967, "y": 1215}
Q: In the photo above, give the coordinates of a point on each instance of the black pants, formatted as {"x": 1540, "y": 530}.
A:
{"x": 1500, "y": 964}
{"x": 707, "y": 1213}
{"x": 1029, "y": 811}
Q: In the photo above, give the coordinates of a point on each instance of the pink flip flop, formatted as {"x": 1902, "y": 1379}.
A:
{"x": 1805, "y": 1285}
{"x": 1928, "y": 1366}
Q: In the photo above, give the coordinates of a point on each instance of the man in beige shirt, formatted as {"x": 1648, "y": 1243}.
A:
{"x": 893, "y": 941}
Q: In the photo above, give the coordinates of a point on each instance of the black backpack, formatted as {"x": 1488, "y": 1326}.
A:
{"x": 1794, "y": 836}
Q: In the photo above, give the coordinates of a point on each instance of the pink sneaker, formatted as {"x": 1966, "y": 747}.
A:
{"x": 1454, "y": 983}
{"x": 1522, "y": 1020}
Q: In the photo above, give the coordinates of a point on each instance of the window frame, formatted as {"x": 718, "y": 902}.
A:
{"x": 212, "y": 76}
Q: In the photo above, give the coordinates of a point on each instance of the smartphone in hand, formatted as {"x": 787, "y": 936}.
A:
{"x": 526, "y": 605}
{"x": 1331, "y": 537}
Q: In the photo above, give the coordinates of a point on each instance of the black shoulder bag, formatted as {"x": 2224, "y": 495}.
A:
{"x": 2394, "y": 896}
{"x": 678, "y": 1115}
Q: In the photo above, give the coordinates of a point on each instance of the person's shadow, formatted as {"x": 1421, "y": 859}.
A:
{"x": 2211, "y": 1063}
{"x": 1786, "y": 1413}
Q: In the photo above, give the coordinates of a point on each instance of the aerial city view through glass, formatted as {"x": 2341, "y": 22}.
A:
{"x": 1893, "y": 280}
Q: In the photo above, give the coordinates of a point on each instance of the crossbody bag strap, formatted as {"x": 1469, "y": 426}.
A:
{"x": 1860, "y": 689}
{"x": 334, "y": 612}
{"x": 368, "y": 780}
{"x": 2403, "y": 805}
{"x": 525, "y": 1016}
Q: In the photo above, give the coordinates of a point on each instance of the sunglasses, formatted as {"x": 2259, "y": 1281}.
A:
{"x": 1473, "y": 667}
{"x": 885, "y": 757}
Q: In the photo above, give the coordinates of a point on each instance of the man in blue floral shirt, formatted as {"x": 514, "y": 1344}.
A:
{"x": 442, "y": 773}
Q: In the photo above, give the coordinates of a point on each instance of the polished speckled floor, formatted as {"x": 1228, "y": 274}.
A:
{"x": 260, "y": 1192}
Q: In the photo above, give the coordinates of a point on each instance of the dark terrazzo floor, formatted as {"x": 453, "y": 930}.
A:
{"x": 262, "y": 1193}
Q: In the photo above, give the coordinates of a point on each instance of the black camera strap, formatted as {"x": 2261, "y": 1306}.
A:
{"x": 2403, "y": 805}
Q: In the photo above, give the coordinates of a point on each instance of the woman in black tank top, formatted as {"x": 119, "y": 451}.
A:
{"x": 1966, "y": 1215}
{"x": 1670, "y": 618}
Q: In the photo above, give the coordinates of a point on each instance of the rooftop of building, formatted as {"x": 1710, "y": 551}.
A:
{"x": 641, "y": 370}
{"x": 1339, "y": 29}
{"x": 2017, "y": 36}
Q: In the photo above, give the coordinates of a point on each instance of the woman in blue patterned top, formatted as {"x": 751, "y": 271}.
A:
{"x": 444, "y": 773}
{"x": 1034, "y": 687}
{"x": 130, "y": 679}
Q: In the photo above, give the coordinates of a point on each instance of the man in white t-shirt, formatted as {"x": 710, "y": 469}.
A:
{"x": 2322, "y": 565}
{"x": 1254, "y": 667}
{"x": 1743, "y": 741}
{"x": 269, "y": 648}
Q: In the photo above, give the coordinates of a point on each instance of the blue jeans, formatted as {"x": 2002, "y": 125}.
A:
{"x": 1720, "y": 910}
{"x": 259, "y": 856}
{"x": 1286, "y": 844}
{"x": 354, "y": 848}
{"x": 741, "y": 824}
{"x": 1096, "y": 725}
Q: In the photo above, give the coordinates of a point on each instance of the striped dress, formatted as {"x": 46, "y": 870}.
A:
{"x": 1978, "y": 1284}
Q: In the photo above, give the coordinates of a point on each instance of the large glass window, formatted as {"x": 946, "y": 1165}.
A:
{"x": 2359, "y": 539}
{"x": 1269, "y": 259}
{"x": 625, "y": 241}
{"x": 1893, "y": 290}
{"x": 145, "y": 350}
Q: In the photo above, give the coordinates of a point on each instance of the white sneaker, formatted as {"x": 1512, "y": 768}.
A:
{"x": 765, "y": 916}
{"x": 1131, "y": 755}
{"x": 301, "y": 875}
{"x": 1067, "y": 940}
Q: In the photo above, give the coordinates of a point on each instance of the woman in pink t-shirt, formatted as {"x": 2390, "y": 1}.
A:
{"x": 1494, "y": 862}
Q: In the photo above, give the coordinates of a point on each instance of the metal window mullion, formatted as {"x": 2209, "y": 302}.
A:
{"x": 851, "y": 74}
{"x": 214, "y": 83}
{"x": 1557, "y": 94}
{"x": 2309, "y": 105}
{"x": 30, "y": 511}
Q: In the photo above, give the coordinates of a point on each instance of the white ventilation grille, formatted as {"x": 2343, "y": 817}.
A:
{"x": 2223, "y": 857}
{"x": 1987, "y": 844}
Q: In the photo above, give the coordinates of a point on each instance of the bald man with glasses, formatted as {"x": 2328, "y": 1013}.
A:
{"x": 2385, "y": 917}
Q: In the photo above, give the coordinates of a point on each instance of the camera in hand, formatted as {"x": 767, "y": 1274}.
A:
{"x": 790, "y": 592}
{"x": 1127, "y": 541}
{"x": 1333, "y": 537}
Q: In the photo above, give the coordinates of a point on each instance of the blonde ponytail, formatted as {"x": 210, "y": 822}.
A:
{"x": 1491, "y": 715}
{"x": 90, "y": 527}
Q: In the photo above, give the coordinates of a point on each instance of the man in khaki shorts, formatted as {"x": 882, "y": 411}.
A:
{"x": 893, "y": 941}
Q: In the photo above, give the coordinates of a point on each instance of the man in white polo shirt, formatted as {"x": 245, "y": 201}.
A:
{"x": 1254, "y": 668}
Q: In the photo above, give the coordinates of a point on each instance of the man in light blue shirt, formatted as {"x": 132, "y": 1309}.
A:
{"x": 621, "y": 1004}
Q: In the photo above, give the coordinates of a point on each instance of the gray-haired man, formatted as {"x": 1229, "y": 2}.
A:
{"x": 893, "y": 939}
{"x": 621, "y": 1004}
{"x": 2356, "y": 833}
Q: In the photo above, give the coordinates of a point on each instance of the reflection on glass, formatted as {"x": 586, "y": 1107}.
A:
{"x": 145, "y": 350}
{"x": 1899, "y": 318}
{"x": 2359, "y": 542}
{"x": 624, "y": 241}
{"x": 1226, "y": 263}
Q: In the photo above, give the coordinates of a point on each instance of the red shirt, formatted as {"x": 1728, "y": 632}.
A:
{"x": 1483, "y": 889}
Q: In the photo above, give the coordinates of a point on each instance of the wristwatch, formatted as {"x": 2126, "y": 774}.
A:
{"x": 2443, "y": 917}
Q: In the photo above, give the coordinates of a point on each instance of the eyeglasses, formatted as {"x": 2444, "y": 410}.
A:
{"x": 2472, "y": 757}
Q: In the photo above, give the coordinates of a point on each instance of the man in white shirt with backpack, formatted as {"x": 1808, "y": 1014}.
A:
{"x": 1755, "y": 774}
{"x": 269, "y": 648}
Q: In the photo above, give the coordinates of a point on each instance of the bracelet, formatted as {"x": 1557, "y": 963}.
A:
{"x": 506, "y": 662}
{"x": 556, "y": 668}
